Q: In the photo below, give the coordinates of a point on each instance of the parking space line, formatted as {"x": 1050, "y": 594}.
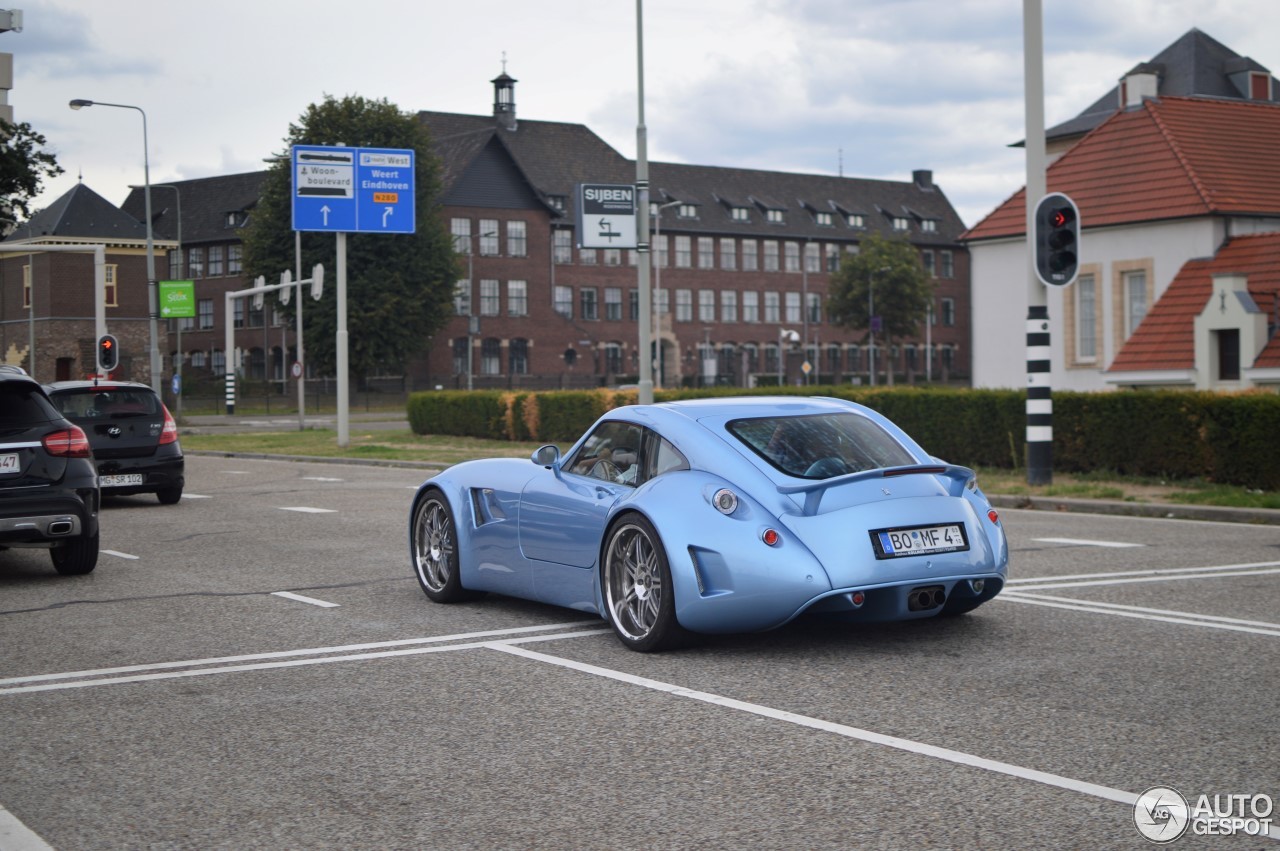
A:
{"x": 16, "y": 836}
{"x": 1136, "y": 612}
{"x": 1123, "y": 607}
{"x": 289, "y": 595}
{"x": 1165, "y": 571}
{"x": 305, "y": 509}
{"x": 89, "y": 676}
{"x": 119, "y": 554}
{"x": 1152, "y": 576}
{"x": 908, "y": 745}
{"x": 1082, "y": 542}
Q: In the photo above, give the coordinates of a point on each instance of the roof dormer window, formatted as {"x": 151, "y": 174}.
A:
{"x": 687, "y": 211}
{"x": 856, "y": 220}
{"x": 557, "y": 201}
{"x": 901, "y": 223}
{"x": 775, "y": 217}
{"x": 740, "y": 214}
{"x": 929, "y": 225}
{"x": 822, "y": 220}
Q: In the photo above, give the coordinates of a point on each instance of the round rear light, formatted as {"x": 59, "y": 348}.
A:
{"x": 725, "y": 501}
{"x": 771, "y": 537}
{"x": 993, "y": 516}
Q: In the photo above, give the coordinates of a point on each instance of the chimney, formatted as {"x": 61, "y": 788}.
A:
{"x": 504, "y": 101}
{"x": 1139, "y": 84}
{"x": 923, "y": 179}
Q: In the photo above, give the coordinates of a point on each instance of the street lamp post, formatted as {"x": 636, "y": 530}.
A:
{"x": 177, "y": 367}
{"x": 157, "y": 383}
{"x": 657, "y": 282}
{"x": 784, "y": 337}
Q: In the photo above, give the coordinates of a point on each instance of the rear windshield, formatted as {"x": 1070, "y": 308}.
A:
{"x": 22, "y": 404}
{"x": 91, "y": 403}
{"x": 821, "y": 446}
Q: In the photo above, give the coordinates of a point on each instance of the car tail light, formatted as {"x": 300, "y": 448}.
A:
{"x": 169, "y": 433}
{"x": 725, "y": 501}
{"x": 68, "y": 443}
{"x": 771, "y": 537}
{"x": 993, "y": 516}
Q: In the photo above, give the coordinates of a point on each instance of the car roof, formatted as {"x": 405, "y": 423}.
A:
{"x": 99, "y": 385}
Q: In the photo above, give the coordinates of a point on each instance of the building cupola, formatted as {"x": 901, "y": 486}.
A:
{"x": 504, "y": 100}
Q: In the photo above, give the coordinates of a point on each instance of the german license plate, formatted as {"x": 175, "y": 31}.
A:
{"x": 9, "y": 463}
{"x": 122, "y": 481}
{"x": 919, "y": 540}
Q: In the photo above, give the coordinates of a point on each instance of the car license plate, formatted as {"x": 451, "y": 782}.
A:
{"x": 919, "y": 540}
{"x": 9, "y": 463}
{"x": 122, "y": 481}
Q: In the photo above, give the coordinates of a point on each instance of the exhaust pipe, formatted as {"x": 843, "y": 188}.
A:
{"x": 928, "y": 597}
{"x": 60, "y": 527}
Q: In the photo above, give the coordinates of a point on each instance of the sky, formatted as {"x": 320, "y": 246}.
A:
{"x": 866, "y": 88}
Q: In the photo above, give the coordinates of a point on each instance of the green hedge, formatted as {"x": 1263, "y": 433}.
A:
{"x": 1226, "y": 438}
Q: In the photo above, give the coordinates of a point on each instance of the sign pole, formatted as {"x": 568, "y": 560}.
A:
{"x": 642, "y": 223}
{"x": 1039, "y": 411}
{"x": 302, "y": 378}
{"x": 344, "y": 413}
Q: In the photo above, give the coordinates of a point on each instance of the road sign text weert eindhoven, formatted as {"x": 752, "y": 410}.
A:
{"x": 606, "y": 215}
{"x": 353, "y": 190}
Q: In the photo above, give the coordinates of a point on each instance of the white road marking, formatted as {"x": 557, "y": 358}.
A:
{"x": 320, "y": 479}
{"x": 118, "y": 554}
{"x": 235, "y": 472}
{"x": 285, "y": 654}
{"x": 307, "y": 509}
{"x": 1164, "y": 571}
{"x": 1081, "y": 542}
{"x": 1138, "y": 612}
{"x": 1157, "y": 577}
{"x": 194, "y": 496}
{"x": 16, "y": 836}
{"x": 289, "y": 595}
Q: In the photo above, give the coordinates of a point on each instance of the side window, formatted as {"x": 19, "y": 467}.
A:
{"x": 665, "y": 458}
{"x": 611, "y": 453}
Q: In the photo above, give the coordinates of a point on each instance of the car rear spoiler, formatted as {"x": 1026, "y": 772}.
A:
{"x": 814, "y": 491}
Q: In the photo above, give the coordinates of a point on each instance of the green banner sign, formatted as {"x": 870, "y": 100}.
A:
{"x": 177, "y": 299}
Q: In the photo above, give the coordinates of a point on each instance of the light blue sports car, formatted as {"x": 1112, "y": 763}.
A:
{"x": 713, "y": 516}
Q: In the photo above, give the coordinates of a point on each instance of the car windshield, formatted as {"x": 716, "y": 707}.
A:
{"x": 106, "y": 403}
{"x": 822, "y": 445}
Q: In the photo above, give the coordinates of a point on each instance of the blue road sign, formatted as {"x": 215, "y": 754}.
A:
{"x": 353, "y": 190}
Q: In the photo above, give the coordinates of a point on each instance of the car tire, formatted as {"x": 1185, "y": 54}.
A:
{"x": 433, "y": 548}
{"x": 638, "y": 593}
{"x": 169, "y": 496}
{"x": 77, "y": 556}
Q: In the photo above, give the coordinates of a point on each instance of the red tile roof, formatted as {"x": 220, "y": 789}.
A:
{"x": 1165, "y": 339}
{"x": 1171, "y": 158}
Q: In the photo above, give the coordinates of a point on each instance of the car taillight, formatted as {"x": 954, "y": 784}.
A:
{"x": 169, "y": 433}
{"x": 68, "y": 443}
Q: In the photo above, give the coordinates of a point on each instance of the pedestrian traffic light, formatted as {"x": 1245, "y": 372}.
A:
{"x": 108, "y": 353}
{"x": 1056, "y": 239}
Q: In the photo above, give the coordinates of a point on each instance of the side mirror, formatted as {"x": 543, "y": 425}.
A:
{"x": 546, "y": 456}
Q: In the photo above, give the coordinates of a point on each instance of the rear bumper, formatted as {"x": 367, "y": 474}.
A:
{"x": 45, "y": 520}
{"x": 157, "y": 474}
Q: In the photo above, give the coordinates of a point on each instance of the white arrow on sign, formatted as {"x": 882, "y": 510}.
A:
{"x": 325, "y": 210}
{"x": 386, "y": 212}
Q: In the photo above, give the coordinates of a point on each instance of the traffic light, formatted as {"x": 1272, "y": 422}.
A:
{"x": 108, "y": 353}
{"x": 1056, "y": 239}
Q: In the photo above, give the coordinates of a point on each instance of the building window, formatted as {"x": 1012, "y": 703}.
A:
{"x": 687, "y": 211}
{"x": 613, "y": 358}
{"x": 257, "y": 315}
{"x": 822, "y": 220}
{"x": 856, "y": 220}
{"x": 706, "y": 252}
{"x": 488, "y": 237}
{"x": 771, "y": 363}
{"x": 926, "y": 257}
{"x": 729, "y": 306}
{"x": 1086, "y": 297}
{"x": 1135, "y": 301}
{"x": 26, "y": 287}
{"x": 461, "y": 230}
{"x": 662, "y": 301}
{"x": 588, "y": 303}
{"x": 462, "y": 298}
{"x": 771, "y": 307}
{"x": 1228, "y": 345}
{"x": 460, "y": 355}
{"x": 684, "y": 252}
{"x": 833, "y": 257}
{"x": 633, "y": 304}
{"x": 491, "y": 356}
{"x": 740, "y": 214}
{"x": 751, "y": 306}
{"x": 833, "y": 360}
{"x": 219, "y": 362}
{"x": 195, "y": 262}
{"x": 684, "y": 305}
{"x": 792, "y": 251}
{"x": 557, "y": 201}
{"x": 613, "y": 303}
{"x": 563, "y": 302}
{"x": 706, "y": 305}
{"x": 812, "y": 257}
{"x": 517, "y": 298}
{"x": 793, "y": 307}
{"x": 204, "y": 312}
{"x": 901, "y": 223}
{"x": 199, "y": 360}
{"x": 728, "y": 253}
{"x": 234, "y": 263}
{"x": 948, "y": 263}
{"x": 518, "y": 356}
{"x": 490, "y": 299}
{"x": 948, "y": 312}
{"x": 517, "y": 239}
{"x": 238, "y": 314}
{"x": 813, "y": 309}
{"x": 750, "y": 256}
{"x": 111, "y": 290}
{"x": 587, "y": 256}
{"x": 612, "y": 256}
{"x": 929, "y": 225}
{"x": 770, "y": 256}
{"x": 215, "y": 261}
{"x": 175, "y": 262}
{"x": 563, "y": 241}
{"x": 775, "y": 217}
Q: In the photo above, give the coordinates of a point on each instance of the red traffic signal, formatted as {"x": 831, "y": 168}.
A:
{"x": 1056, "y": 240}
{"x": 108, "y": 353}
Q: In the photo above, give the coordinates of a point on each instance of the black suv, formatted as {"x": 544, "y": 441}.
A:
{"x": 133, "y": 435}
{"x": 48, "y": 481}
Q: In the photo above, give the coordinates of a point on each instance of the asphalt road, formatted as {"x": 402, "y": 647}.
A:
{"x": 175, "y": 700}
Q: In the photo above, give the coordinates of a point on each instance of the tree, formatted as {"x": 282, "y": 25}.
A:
{"x": 399, "y": 286}
{"x": 890, "y": 271}
{"x": 23, "y": 168}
